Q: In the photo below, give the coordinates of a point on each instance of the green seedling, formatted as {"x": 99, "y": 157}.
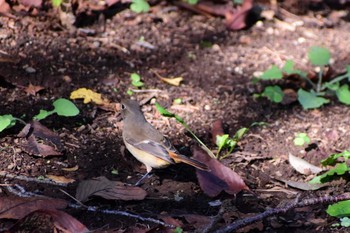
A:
{"x": 139, "y": 6}
{"x": 344, "y": 222}
{"x": 224, "y": 141}
{"x": 192, "y": 2}
{"x": 56, "y": 3}
{"x": 341, "y": 168}
{"x": 319, "y": 93}
{"x": 62, "y": 107}
{"x": 136, "y": 80}
{"x": 164, "y": 112}
{"x": 178, "y": 230}
{"x": 177, "y": 101}
{"x": 301, "y": 139}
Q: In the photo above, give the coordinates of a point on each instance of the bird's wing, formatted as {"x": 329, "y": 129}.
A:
{"x": 153, "y": 148}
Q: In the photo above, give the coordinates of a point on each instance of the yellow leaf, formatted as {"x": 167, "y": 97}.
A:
{"x": 71, "y": 169}
{"x": 172, "y": 81}
{"x": 88, "y": 96}
{"x": 60, "y": 179}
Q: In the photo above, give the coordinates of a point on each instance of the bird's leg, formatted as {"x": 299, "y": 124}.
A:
{"x": 142, "y": 178}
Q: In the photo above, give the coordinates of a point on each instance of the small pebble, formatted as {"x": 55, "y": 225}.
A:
{"x": 30, "y": 70}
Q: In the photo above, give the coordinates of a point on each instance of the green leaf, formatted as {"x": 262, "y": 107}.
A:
{"x": 6, "y": 121}
{"x": 273, "y": 93}
{"x": 332, "y": 159}
{"x": 136, "y": 80}
{"x": 340, "y": 209}
{"x": 139, "y": 6}
{"x": 42, "y": 115}
{"x": 348, "y": 72}
{"x": 163, "y": 111}
{"x": 339, "y": 169}
{"x": 177, "y": 101}
{"x": 288, "y": 67}
{"x": 240, "y": 133}
{"x": 192, "y": 2}
{"x": 178, "y": 230}
{"x": 273, "y": 73}
{"x": 301, "y": 139}
{"x": 319, "y": 56}
{"x": 345, "y": 222}
{"x": 221, "y": 141}
{"x": 343, "y": 94}
{"x": 333, "y": 87}
{"x": 310, "y": 100}
{"x": 56, "y": 3}
{"x": 129, "y": 92}
{"x": 64, "y": 107}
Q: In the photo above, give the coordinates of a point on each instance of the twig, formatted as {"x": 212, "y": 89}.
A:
{"x": 30, "y": 179}
{"x": 122, "y": 213}
{"x": 281, "y": 210}
{"x": 146, "y": 90}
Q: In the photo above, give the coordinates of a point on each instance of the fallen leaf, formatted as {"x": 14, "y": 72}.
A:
{"x": 303, "y": 166}
{"x": 173, "y": 81}
{"x": 220, "y": 178}
{"x": 49, "y": 221}
{"x": 71, "y": 169}
{"x": 111, "y": 190}
{"x": 32, "y": 90}
{"x": 18, "y": 207}
{"x": 60, "y": 179}
{"x": 302, "y": 185}
{"x": 88, "y": 96}
{"x": 30, "y": 144}
{"x": 33, "y": 147}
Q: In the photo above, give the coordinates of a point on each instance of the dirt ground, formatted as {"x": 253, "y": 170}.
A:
{"x": 217, "y": 85}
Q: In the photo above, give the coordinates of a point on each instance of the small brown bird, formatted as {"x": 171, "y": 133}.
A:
{"x": 147, "y": 144}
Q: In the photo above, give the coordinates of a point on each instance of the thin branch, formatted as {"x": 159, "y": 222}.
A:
{"x": 122, "y": 213}
{"x": 281, "y": 210}
{"x": 30, "y": 179}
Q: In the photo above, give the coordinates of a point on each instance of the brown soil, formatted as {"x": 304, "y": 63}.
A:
{"x": 217, "y": 85}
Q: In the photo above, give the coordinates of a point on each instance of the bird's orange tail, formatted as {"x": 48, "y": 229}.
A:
{"x": 178, "y": 158}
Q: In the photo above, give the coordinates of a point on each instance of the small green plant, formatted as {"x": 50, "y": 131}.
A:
{"x": 318, "y": 93}
{"x": 340, "y": 209}
{"x": 56, "y": 3}
{"x": 136, "y": 82}
{"x": 139, "y": 6}
{"x": 62, "y": 107}
{"x": 224, "y": 141}
{"x": 164, "y": 112}
{"x": 178, "y": 230}
{"x": 301, "y": 139}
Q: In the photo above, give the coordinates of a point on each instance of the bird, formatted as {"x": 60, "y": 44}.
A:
{"x": 147, "y": 144}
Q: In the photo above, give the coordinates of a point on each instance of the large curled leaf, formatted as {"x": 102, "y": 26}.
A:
{"x": 64, "y": 107}
{"x": 319, "y": 56}
{"x": 343, "y": 94}
{"x": 339, "y": 170}
{"x": 332, "y": 159}
{"x": 309, "y": 100}
{"x": 273, "y": 93}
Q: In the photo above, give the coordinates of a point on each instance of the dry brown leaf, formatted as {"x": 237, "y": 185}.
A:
{"x": 172, "y": 81}
{"x": 236, "y": 19}
{"x": 49, "y": 221}
{"x": 30, "y": 144}
{"x": 18, "y": 207}
{"x": 220, "y": 178}
{"x": 112, "y": 190}
{"x": 71, "y": 169}
{"x": 32, "y": 90}
{"x": 302, "y": 166}
{"x": 60, "y": 179}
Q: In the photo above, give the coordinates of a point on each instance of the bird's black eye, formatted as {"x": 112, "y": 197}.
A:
{"x": 123, "y": 106}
